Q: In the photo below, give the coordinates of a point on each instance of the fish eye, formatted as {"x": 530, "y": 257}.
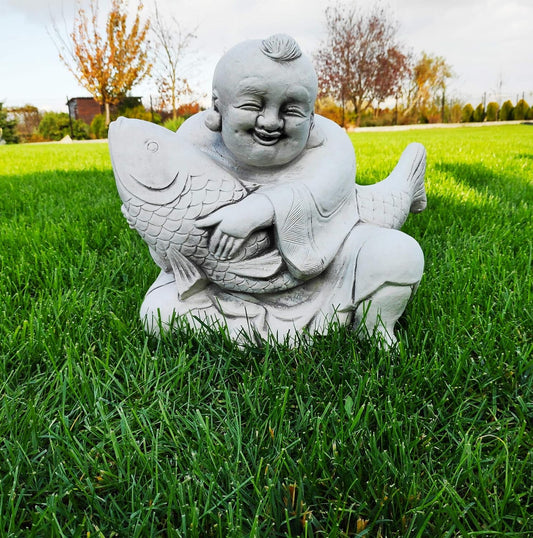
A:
{"x": 152, "y": 146}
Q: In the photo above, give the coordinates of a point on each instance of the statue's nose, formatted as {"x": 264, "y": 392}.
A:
{"x": 269, "y": 120}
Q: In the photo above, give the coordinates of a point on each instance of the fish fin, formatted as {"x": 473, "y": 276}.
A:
{"x": 388, "y": 202}
{"x": 158, "y": 259}
{"x": 189, "y": 279}
{"x": 260, "y": 267}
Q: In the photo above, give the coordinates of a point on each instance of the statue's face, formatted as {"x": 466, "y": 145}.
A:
{"x": 267, "y": 110}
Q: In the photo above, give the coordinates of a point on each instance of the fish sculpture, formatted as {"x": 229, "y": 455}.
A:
{"x": 166, "y": 185}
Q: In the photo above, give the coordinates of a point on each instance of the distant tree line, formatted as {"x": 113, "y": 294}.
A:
{"x": 29, "y": 124}
{"x": 493, "y": 112}
{"x": 366, "y": 77}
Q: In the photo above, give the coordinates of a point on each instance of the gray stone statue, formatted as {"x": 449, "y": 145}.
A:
{"x": 252, "y": 213}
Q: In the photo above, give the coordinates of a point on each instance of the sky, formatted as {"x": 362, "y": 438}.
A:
{"x": 488, "y": 43}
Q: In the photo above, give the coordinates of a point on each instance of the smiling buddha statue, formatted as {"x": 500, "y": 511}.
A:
{"x": 251, "y": 211}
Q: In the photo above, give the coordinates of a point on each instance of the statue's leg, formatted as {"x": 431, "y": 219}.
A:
{"x": 211, "y": 306}
{"x": 388, "y": 269}
{"x": 161, "y": 305}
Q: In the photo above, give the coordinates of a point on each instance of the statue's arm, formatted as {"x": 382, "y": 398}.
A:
{"x": 315, "y": 206}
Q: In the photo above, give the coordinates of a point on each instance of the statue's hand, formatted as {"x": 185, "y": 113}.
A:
{"x": 234, "y": 223}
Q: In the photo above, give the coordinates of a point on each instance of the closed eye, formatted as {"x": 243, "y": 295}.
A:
{"x": 250, "y": 106}
{"x": 294, "y": 111}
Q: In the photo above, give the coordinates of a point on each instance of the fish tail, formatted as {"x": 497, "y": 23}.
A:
{"x": 388, "y": 202}
{"x": 416, "y": 153}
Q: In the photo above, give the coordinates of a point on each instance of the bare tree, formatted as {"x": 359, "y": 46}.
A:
{"x": 361, "y": 60}
{"x": 172, "y": 45}
{"x": 109, "y": 63}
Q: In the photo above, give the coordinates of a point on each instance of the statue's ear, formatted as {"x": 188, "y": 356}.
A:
{"x": 316, "y": 136}
{"x": 213, "y": 119}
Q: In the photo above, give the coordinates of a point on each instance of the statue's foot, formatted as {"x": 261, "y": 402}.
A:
{"x": 389, "y": 267}
{"x": 379, "y": 314}
{"x": 161, "y": 305}
{"x": 385, "y": 339}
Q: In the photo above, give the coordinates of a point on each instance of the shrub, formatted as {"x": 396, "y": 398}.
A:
{"x": 174, "y": 125}
{"x": 128, "y": 102}
{"x": 329, "y": 109}
{"x": 506, "y": 111}
{"x": 492, "y": 111}
{"x": 479, "y": 113}
{"x": 56, "y": 125}
{"x": 529, "y": 115}
{"x": 520, "y": 110}
{"x": 98, "y": 128}
{"x": 456, "y": 113}
{"x": 138, "y": 112}
{"x": 188, "y": 109}
{"x": 467, "y": 114}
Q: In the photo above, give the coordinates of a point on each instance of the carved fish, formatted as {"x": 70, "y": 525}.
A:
{"x": 165, "y": 187}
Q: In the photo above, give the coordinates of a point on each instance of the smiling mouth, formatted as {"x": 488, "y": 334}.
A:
{"x": 266, "y": 138}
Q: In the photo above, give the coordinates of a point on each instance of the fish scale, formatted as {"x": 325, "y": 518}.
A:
{"x": 163, "y": 226}
{"x": 389, "y": 212}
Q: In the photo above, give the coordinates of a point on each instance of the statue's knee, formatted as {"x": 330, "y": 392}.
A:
{"x": 392, "y": 256}
{"x": 408, "y": 258}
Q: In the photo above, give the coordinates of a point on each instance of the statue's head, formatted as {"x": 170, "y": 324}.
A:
{"x": 263, "y": 100}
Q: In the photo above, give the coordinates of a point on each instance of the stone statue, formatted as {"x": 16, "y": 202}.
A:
{"x": 251, "y": 211}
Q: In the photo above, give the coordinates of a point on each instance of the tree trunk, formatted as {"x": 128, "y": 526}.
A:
{"x": 107, "y": 114}
{"x": 173, "y": 97}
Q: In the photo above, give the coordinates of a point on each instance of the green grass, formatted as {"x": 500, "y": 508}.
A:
{"x": 106, "y": 431}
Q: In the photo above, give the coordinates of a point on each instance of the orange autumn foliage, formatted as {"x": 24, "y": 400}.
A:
{"x": 109, "y": 63}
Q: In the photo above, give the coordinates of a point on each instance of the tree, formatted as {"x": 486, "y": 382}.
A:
{"x": 107, "y": 64}
{"x": 506, "y": 111}
{"x": 171, "y": 48}
{"x": 428, "y": 85}
{"x": 28, "y": 118}
{"x": 361, "y": 60}
{"x": 492, "y": 111}
{"x": 8, "y": 127}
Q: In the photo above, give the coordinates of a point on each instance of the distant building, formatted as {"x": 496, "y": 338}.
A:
{"x": 86, "y": 108}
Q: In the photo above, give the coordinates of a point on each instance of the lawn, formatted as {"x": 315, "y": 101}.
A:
{"x": 106, "y": 432}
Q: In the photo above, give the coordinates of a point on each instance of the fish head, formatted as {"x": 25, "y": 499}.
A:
{"x": 146, "y": 159}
